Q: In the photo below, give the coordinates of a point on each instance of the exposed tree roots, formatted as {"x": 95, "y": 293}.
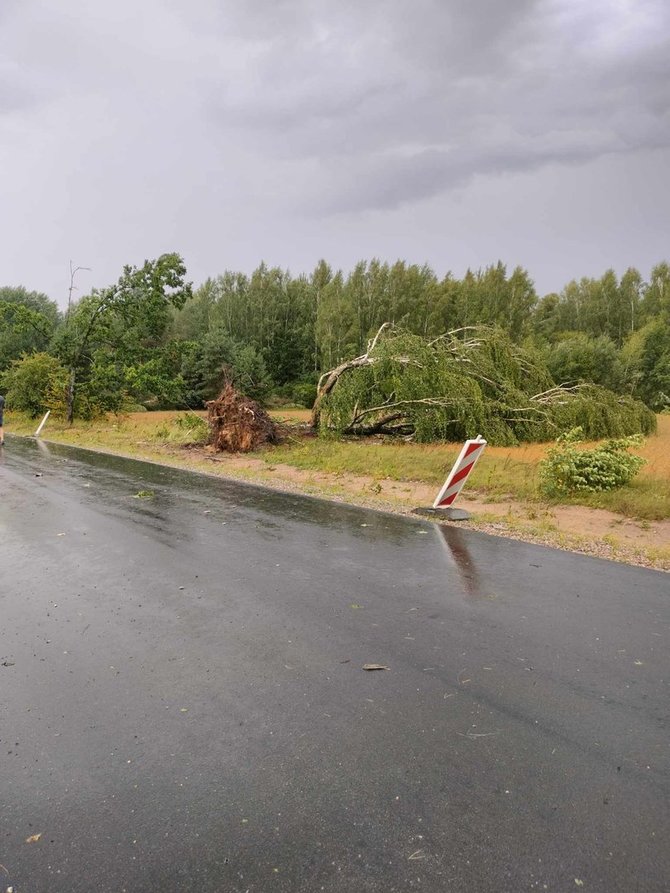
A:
{"x": 238, "y": 424}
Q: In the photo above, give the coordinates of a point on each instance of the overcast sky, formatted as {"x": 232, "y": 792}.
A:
{"x": 453, "y": 132}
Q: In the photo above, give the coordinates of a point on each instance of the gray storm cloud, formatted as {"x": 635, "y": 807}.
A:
{"x": 215, "y": 128}
{"x": 425, "y": 96}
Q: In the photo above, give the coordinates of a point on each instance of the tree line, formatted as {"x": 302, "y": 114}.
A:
{"x": 152, "y": 340}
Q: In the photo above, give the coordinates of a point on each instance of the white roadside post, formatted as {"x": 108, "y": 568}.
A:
{"x": 472, "y": 450}
{"x": 43, "y": 423}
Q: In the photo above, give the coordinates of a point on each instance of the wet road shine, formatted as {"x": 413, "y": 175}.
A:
{"x": 183, "y": 705}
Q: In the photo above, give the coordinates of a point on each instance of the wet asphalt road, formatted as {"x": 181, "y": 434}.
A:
{"x": 183, "y": 705}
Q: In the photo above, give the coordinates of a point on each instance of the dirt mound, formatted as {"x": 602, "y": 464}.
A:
{"x": 238, "y": 424}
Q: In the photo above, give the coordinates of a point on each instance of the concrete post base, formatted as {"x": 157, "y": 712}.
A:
{"x": 446, "y": 514}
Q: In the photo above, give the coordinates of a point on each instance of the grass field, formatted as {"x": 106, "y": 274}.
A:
{"x": 503, "y": 473}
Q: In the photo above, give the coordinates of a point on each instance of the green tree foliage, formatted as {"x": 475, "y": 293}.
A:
{"x": 475, "y": 381}
{"x": 303, "y": 393}
{"x": 605, "y": 307}
{"x": 269, "y": 312}
{"x": 147, "y": 339}
{"x": 600, "y": 413}
{"x": 36, "y": 383}
{"x": 300, "y": 325}
{"x": 577, "y": 358}
{"x": 219, "y": 359}
{"x": 656, "y": 300}
{"x": 611, "y": 332}
{"x": 27, "y": 322}
{"x": 547, "y": 318}
{"x": 153, "y": 384}
{"x": 112, "y": 386}
{"x": 352, "y": 308}
{"x": 490, "y": 297}
{"x": 647, "y": 359}
{"x": 333, "y": 329}
{"x": 121, "y": 326}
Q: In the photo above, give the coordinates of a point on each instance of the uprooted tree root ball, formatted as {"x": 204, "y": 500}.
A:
{"x": 238, "y": 424}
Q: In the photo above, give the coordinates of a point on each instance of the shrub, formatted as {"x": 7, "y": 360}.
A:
{"x": 568, "y": 470}
{"x": 304, "y": 394}
{"x": 36, "y": 383}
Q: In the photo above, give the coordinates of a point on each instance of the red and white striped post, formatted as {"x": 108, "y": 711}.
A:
{"x": 472, "y": 450}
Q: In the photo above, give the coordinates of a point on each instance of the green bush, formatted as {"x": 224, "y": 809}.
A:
{"x": 36, "y": 383}
{"x": 568, "y": 470}
{"x": 304, "y": 394}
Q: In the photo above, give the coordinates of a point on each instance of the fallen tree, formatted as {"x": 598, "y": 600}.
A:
{"x": 238, "y": 424}
{"x": 466, "y": 382}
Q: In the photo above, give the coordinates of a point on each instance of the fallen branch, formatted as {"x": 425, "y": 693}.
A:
{"x": 328, "y": 380}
